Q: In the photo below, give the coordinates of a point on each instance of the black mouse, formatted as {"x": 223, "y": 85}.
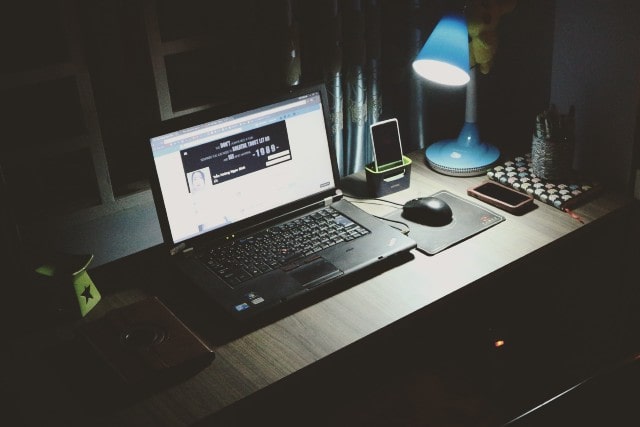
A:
{"x": 429, "y": 211}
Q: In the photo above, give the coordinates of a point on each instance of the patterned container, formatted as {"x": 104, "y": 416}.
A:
{"x": 550, "y": 159}
{"x": 552, "y": 144}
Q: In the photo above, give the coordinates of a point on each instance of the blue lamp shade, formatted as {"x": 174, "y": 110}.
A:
{"x": 444, "y": 58}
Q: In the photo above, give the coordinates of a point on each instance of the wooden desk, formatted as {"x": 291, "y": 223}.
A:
{"x": 332, "y": 331}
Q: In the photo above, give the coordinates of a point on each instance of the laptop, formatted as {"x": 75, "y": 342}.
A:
{"x": 249, "y": 202}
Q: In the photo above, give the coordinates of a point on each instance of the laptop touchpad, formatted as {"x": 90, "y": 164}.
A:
{"x": 315, "y": 272}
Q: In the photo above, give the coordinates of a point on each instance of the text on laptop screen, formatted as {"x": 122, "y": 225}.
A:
{"x": 227, "y": 170}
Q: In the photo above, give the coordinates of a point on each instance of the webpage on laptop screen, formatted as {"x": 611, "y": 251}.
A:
{"x": 224, "y": 171}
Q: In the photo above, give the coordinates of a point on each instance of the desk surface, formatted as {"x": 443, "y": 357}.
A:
{"x": 263, "y": 357}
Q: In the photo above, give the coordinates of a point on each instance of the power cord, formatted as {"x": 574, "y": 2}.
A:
{"x": 372, "y": 201}
{"x": 381, "y": 202}
{"x": 403, "y": 231}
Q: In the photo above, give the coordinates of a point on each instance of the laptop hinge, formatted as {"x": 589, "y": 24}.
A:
{"x": 181, "y": 248}
{"x": 332, "y": 199}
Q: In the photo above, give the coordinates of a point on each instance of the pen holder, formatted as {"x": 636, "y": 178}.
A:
{"x": 551, "y": 160}
{"x": 552, "y": 145}
{"x": 387, "y": 181}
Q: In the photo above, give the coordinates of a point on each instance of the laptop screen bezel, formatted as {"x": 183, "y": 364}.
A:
{"x": 222, "y": 111}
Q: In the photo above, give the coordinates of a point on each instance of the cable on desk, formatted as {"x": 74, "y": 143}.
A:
{"x": 404, "y": 231}
{"x": 371, "y": 201}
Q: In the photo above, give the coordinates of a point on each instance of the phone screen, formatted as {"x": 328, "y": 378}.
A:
{"x": 510, "y": 197}
{"x": 386, "y": 143}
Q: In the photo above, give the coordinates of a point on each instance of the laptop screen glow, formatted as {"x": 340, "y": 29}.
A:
{"x": 227, "y": 170}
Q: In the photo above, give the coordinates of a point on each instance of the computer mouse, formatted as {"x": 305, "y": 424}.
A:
{"x": 430, "y": 211}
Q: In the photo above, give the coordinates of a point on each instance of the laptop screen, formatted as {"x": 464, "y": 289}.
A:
{"x": 217, "y": 173}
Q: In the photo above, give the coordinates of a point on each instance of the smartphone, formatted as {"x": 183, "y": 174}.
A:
{"x": 387, "y": 147}
{"x": 502, "y": 197}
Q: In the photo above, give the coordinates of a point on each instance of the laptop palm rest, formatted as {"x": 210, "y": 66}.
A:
{"x": 315, "y": 272}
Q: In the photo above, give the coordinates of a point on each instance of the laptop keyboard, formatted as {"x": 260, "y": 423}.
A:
{"x": 280, "y": 246}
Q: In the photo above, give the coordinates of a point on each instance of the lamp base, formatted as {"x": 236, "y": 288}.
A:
{"x": 465, "y": 156}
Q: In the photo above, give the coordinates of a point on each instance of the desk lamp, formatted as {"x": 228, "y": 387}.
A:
{"x": 444, "y": 59}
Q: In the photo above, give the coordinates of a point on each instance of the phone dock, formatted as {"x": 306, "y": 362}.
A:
{"x": 388, "y": 180}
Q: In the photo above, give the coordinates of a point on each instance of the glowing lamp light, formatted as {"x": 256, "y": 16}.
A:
{"x": 444, "y": 58}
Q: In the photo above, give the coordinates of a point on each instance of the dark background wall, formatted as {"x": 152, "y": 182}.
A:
{"x": 596, "y": 62}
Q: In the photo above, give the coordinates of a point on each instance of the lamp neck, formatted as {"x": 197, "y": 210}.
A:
{"x": 471, "y": 115}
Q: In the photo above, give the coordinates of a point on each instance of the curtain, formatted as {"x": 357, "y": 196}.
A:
{"x": 351, "y": 62}
{"x": 417, "y": 37}
{"x": 352, "y": 77}
{"x": 292, "y": 66}
{"x": 355, "y": 88}
{"x": 332, "y": 61}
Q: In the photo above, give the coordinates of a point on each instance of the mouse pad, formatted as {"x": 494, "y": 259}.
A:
{"x": 469, "y": 219}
